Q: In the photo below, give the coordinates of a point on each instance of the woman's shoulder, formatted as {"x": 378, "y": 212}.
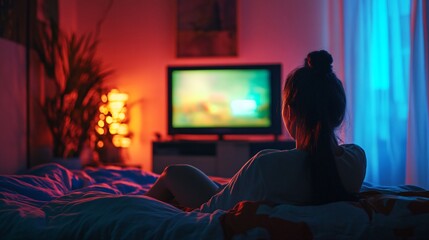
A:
{"x": 353, "y": 153}
{"x": 269, "y": 153}
{"x": 351, "y": 165}
{"x": 352, "y": 148}
{"x": 272, "y": 157}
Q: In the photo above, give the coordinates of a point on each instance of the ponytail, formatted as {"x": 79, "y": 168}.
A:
{"x": 325, "y": 180}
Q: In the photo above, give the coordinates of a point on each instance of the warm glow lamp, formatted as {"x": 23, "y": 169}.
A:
{"x": 113, "y": 119}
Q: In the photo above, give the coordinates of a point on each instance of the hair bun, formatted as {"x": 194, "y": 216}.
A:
{"x": 320, "y": 61}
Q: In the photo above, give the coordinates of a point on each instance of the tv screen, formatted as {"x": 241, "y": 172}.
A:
{"x": 229, "y": 99}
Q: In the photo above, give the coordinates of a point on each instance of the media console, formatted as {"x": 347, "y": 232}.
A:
{"x": 214, "y": 158}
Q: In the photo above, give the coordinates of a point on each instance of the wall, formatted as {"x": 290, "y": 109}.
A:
{"x": 138, "y": 40}
{"x": 12, "y": 107}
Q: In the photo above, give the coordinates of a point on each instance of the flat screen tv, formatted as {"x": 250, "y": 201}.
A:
{"x": 227, "y": 99}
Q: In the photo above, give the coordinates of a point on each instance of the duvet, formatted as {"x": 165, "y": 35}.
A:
{"x": 52, "y": 202}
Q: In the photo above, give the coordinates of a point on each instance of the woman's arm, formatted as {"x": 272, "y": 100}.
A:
{"x": 186, "y": 184}
{"x": 246, "y": 184}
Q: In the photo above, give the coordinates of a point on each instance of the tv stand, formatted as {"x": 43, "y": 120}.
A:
{"x": 215, "y": 158}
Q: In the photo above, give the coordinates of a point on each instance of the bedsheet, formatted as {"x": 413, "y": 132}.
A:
{"x": 396, "y": 212}
{"x": 52, "y": 202}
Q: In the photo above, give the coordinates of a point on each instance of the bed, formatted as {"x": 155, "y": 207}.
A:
{"x": 52, "y": 202}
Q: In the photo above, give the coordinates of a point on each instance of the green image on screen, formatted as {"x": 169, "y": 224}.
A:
{"x": 221, "y": 98}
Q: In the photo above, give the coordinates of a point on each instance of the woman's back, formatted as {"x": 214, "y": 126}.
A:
{"x": 288, "y": 176}
{"x": 285, "y": 177}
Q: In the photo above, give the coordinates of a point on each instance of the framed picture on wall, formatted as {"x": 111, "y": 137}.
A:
{"x": 207, "y": 28}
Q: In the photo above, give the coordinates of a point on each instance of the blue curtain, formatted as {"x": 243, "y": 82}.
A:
{"x": 385, "y": 88}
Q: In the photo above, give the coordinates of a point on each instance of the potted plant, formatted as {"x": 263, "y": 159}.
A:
{"x": 75, "y": 83}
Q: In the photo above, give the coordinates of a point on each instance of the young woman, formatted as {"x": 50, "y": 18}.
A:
{"x": 317, "y": 171}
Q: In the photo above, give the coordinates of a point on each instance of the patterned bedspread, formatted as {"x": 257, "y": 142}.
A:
{"x": 400, "y": 212}
{"x": 51, "y": 202}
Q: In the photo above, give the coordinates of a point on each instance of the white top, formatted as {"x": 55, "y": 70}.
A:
{"x": 281, "y": 176}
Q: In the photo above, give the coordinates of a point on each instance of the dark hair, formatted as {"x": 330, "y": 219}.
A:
{"x": 317, "y": 99}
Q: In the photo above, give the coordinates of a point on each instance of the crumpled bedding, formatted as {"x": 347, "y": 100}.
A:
{"x": 52, "y": 202}
{"x": 394, "y": 212}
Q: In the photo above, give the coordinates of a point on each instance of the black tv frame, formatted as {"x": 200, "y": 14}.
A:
{"x": 275, "y": 70}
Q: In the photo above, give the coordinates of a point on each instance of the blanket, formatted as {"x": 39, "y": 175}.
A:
{"x": 400, "y": 212}
{"x": 52, "y": 202}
